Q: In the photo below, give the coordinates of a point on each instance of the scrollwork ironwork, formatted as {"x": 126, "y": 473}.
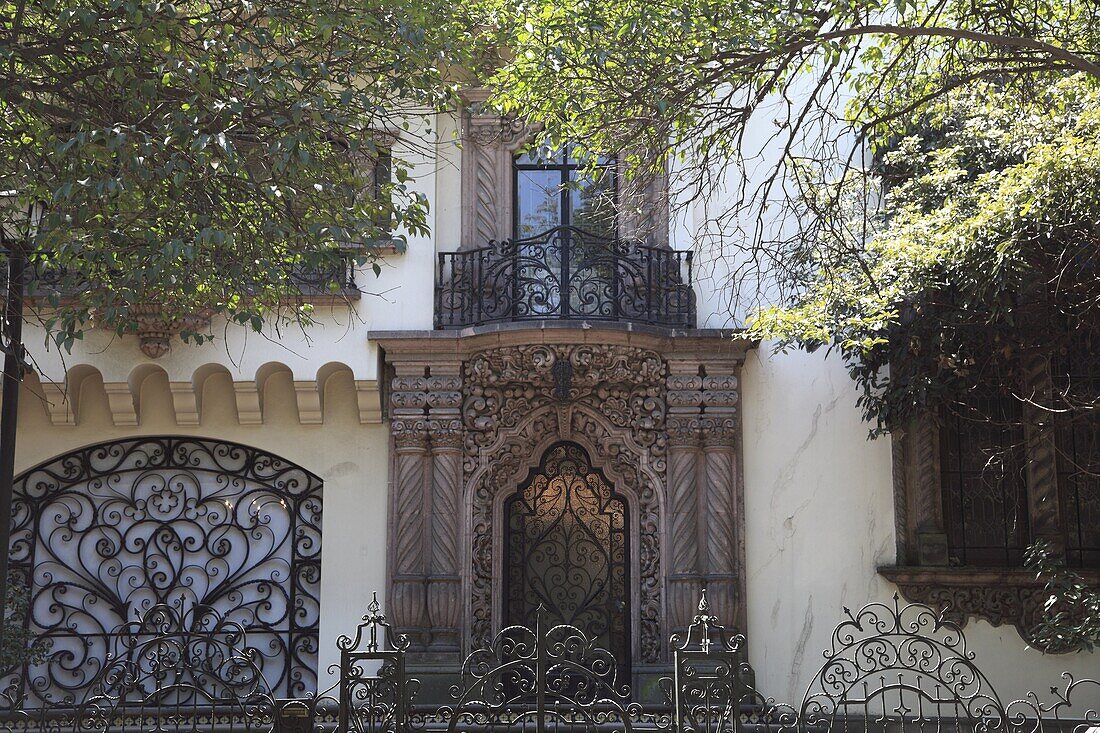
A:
{"x": 910, "y": 666}
{"x": 374, "y": 692}
{"x": 546, "y": 676}
{"x": 565, "y": 272}
{"x": 115, "y": 530}
{"x": 567, "y": 539}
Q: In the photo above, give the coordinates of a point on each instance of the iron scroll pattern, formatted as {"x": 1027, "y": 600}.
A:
{"x": 546, "y": 677}
{"x": 910, "y": 666}
{"x": 567, "y": 537}
{"x": 565, "y": 272}
{"x": 712, "y": 688}
{"x": 108, "y": 533}
{"x": 172, "y": 671}
{"x": 374, "y": 693}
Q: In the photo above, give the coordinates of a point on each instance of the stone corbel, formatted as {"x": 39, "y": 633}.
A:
{"x": 369, "y": 400}
{"x": 308, "y": 394}
{"x": 58, "y": 405}
{"x": 120, "y": 399}
{"x": 185, "y": 402}
{"x": 249, "y": 408}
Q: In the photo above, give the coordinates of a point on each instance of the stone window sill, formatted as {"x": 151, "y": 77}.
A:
{"x": 1012, "y": 596}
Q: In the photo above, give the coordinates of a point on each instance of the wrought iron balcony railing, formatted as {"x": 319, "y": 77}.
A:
{"x": 336, "y": 279}
{"x": 565, "y": 273}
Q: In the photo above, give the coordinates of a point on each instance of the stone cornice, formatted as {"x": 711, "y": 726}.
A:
{"x": 720, "y": 345}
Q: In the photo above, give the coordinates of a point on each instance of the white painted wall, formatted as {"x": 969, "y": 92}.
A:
{"x": 819, "y": 521}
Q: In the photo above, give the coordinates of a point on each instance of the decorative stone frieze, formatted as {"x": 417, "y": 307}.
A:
{"x": 62, "y": 399}
{"x": 1009, "y": 596}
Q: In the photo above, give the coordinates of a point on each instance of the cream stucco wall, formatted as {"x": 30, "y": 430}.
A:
{"x": 351, "y": 459}
{"x": 819, "y": 520}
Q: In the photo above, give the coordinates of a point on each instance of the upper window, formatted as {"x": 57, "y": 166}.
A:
{"x": 557, "y": 189}
{"x": 985, "y": 455}
{"x": 983, "y": 483}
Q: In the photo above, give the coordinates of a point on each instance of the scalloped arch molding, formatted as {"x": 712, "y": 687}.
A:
{"x": 62, "y": 400}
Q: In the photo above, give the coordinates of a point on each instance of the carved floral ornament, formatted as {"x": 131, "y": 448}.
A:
{"x": 468, "y": 428}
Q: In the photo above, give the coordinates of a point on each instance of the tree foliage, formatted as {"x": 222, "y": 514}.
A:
{"x": 981, "y": 257}
{"x": 20, "y": 645}
{"x": 1071, "y": 612}
{"x": 193, "y": 155}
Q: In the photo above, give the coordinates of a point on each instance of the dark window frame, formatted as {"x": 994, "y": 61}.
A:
{"x": 565, "y": 168}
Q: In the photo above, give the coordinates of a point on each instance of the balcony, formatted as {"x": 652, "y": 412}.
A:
{"x": 564, "y": 274}
{"x": 330, "y": 284}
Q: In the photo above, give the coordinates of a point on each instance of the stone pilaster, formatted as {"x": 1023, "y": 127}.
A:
{"x": 408, "y": 514}
{"x": 721, "y": 513}
{"x": 682, "y": 422}
{"x": 1044, "y": 512}
{"x": 925, "y": 500}
{"x": 445, "y": 438}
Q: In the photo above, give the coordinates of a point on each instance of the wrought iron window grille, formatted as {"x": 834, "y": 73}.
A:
{"x": 565, "y": 273}
{"x": 203, "y": 529}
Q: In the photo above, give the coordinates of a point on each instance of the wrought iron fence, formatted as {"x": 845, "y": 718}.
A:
{"x": 889, "y": 668}
{"x": 565, "y": 273}
{"x": 173, "y": 670}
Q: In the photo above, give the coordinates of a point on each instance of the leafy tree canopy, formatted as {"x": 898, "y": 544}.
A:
{"x": 981, "y": 257}
{"x": 193, "y": 156}
{"x": 963, "y": 249}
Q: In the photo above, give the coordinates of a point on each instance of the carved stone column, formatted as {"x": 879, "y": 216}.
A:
{"x": 445, "y": 437}
{"x": 1044, "y": 511}
{"x": 925, "y": 502}
{"x": 643, "y": 207}
{"x": 488, "y": 143}
{"x": 408, "y": 494}
{"x": 721, "y": 503}
{"x": 682, "y": 422}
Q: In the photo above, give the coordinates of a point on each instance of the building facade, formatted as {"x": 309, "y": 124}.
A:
{"x": 546, "y": 402}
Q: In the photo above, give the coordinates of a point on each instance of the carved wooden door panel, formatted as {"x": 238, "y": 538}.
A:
{"x": 566, "y": 539}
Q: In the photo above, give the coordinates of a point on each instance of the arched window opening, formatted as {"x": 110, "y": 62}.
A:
{"x": 209, "y": 528}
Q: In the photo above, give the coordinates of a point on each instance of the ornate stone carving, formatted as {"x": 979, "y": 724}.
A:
{"x": 1044, "y": 512}
{"x": 615, "y": 407}
{"x": 1011, "y": 597}
{"x": 469, "y": 423}
{"x": 488, "y": 141}
{"x": 155, "y": 331}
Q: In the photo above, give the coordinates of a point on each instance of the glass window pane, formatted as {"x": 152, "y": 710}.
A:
{"x": 538, "y": 201}
{"x": 541, "y": 156}
{"x": 593, "y": 203}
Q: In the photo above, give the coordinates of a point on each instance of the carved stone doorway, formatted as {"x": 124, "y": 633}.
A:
{"x": 474, "y": 417}
{"x": 566, "y": 544}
